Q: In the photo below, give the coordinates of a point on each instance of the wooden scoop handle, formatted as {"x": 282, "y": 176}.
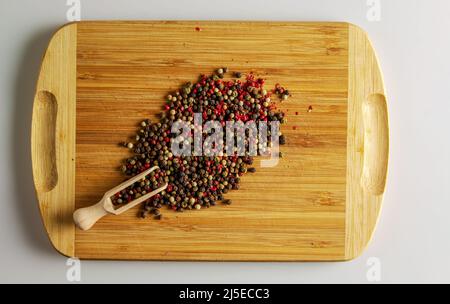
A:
{"x": 85, "y": 218}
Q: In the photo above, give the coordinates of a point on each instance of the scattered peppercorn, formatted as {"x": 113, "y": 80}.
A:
{"x": 227, "y": 202}
{"x": 281, "y": 92}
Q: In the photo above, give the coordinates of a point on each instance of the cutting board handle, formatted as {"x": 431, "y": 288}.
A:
{"x": 85, "y": 218}
{"x": 376, "y": 144}
{"x": 53, "y": 138}
{"x": 44, "y": 141}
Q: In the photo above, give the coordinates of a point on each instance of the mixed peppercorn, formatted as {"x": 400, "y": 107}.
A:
{"x": 196, "y": 182}
{"x": 148, "y": 184}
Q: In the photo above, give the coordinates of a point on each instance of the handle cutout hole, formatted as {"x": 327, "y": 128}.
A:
{"x": 376, "y": 144}
{"x": 44, "y": 148}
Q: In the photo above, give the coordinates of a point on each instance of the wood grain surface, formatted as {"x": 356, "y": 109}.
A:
{"x": 320, "y": 203}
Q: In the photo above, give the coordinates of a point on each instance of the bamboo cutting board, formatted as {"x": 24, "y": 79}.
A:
{"x": 322, "y": 201}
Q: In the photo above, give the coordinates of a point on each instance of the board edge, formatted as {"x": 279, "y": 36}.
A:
{"x": 57, "y": 78}
{"x": 363, "y": 204}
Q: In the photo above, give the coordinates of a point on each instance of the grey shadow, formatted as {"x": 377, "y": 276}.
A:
{"x": 24, "y": 89}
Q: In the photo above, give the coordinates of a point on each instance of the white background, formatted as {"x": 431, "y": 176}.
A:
{"x": 412, "y": 241}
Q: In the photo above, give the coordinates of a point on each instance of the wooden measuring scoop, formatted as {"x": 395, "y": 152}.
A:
{"x": 85, "y": 218}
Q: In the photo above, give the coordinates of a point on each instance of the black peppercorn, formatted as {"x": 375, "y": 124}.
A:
{"x": 227, "y": 202}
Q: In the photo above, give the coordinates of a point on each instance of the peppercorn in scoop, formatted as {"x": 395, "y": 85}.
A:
{"x": 196, "y": 182}
{"x": 138, "y": 189}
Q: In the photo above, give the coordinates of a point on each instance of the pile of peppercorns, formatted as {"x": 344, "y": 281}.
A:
{"x": 196, "y": 182}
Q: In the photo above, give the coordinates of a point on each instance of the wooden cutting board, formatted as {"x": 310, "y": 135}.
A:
{"x": 321, "y": 203}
